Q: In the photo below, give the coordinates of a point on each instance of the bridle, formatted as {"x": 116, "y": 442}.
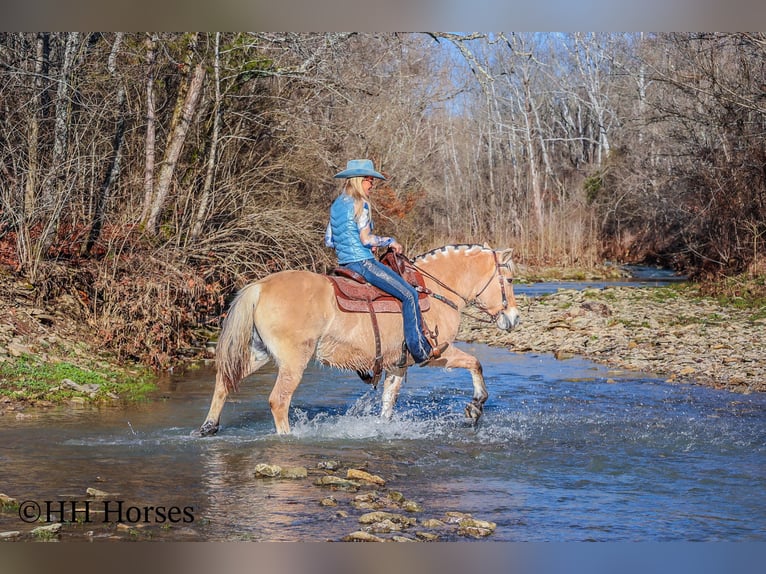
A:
{"x": 475, "y": 301}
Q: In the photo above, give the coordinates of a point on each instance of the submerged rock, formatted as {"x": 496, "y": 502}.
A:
{"x": 432, "y": 523}
{"x": 380, "y": 516}
{"x": 96, "y": 493}
{"x": 294, "y": 472}
{"x": 263, "y": 470}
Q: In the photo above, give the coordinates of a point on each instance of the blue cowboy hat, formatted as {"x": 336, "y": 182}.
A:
{"x": 359, "y": 168}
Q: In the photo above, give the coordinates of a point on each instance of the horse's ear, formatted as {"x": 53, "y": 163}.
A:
{"x": 505, "y": 255}
{"x": 486, "y": 245}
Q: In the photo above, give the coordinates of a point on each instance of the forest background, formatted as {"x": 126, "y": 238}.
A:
{"x": 146, "y": 177}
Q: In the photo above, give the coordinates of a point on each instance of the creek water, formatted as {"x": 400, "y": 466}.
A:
{"x": 566, "y": 451}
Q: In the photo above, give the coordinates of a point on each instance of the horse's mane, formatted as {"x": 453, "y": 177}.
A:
{"x": 453, "y": 247}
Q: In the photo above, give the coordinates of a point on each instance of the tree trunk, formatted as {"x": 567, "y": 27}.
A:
{"x": 53, "y": 199}
{"x": 42, "y": 47}
{"x": 151, "y": 137}
{"x": 113, "y": 170}
{"x": 174, "y": 147}
{"x": 207, "y": 188}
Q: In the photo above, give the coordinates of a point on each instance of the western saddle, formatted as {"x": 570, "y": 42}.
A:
{"x": 355, "y": 295}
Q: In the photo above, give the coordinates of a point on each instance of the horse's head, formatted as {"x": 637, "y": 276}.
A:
{"x": 477, "y": 274}
{"x": 496, "y": 297}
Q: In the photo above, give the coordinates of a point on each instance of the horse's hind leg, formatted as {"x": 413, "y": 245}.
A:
{"x": 212, "y": 420}
{"x": 281, "y": 395}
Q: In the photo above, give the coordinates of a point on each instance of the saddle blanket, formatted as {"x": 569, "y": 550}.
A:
{"x": 354, "y": 297}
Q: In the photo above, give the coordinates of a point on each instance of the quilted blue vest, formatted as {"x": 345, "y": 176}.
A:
{"x": 345, "y": 233}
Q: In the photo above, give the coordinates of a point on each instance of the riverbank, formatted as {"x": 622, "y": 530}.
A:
{"x": 671, "y": 332}
{"x": 49, "y": 355}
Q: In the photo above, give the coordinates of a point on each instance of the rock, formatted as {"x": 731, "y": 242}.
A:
{"x": 385, "y": 526}
{"x": 396, "y": 496}
{"x": 367, "y": 501}
{"x": 294, "y": 472}
{"x": 332, "y": 465}
{"x": 453, "y": 517}
{"x": 328, "y": 501}
{"x": 48, "y": 530}
{"x": 595, "y": 307}
{"x": 380, "y": 516}
{"x": 427, "y": 536}
{"x": 476, "y": 528}
{"x": 9, "y": 535}
{"x": 6, "y": 500}
{"x": 411, "y": 506}
{"x": 402, "y": 539}
{"x": 96, "y": 493}
{"x": 361, "y": 505}
{"x": 337, "y": 482}
{"x": 367, "y": 497}
{"x": 87, "y": 388}
{"x": 267, "y": 470}
{"x": 17, "y": 349}
{"x": 432, "y": 523}
{"x": 362, "y": 536}
{"x": 354, "y": 473}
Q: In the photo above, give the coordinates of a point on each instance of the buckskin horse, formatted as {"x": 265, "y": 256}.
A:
{"x": 291, "y": 316}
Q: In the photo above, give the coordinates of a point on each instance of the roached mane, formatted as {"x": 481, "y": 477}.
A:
{"x": 458, "y": 247}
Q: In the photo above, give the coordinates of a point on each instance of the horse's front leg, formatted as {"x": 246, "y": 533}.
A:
{"x": 391, "y": 387}
{"x": 455, "y": 358}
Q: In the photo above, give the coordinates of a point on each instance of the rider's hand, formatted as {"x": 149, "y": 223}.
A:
{"x": 397, "y": 247}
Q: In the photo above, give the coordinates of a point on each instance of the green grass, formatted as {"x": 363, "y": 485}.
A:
{"x": 28, "y": 377}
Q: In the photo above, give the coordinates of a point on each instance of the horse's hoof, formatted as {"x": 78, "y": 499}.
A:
{"x": 207, "y": 429}
{"x": 473, "y": 412}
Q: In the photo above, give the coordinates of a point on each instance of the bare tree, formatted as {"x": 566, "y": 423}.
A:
{"x": 186, "y": 107}
{"x": 114, "y": 165}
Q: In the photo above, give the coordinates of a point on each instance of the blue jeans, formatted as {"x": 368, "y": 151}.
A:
{"x": 387, "y": 280}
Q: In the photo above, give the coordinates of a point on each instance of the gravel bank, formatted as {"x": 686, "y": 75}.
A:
{"x": 659, "y": 331}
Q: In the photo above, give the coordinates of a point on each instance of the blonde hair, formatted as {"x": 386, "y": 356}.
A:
{"x": 353, "y": 188}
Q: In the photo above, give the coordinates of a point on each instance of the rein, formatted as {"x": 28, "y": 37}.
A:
{"x": 475, "y": 301}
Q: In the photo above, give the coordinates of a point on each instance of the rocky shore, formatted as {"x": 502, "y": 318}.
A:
{"x": 659, "y": 331}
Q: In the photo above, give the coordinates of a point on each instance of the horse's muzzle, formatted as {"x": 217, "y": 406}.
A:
{"x": 508, "y": 320}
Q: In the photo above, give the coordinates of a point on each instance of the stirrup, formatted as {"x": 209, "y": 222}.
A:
{"x": 436, "y": 353}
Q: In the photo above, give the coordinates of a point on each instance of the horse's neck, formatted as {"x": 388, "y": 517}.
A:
{"x": 462, "y": 269}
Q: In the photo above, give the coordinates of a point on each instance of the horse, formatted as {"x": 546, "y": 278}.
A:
{"x": 291, "y": 316}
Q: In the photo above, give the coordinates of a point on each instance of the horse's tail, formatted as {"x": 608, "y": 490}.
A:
{"x": 239, "y": 338}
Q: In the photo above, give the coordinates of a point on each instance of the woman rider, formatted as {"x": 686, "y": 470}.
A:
{"x": 350, "y": 233}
